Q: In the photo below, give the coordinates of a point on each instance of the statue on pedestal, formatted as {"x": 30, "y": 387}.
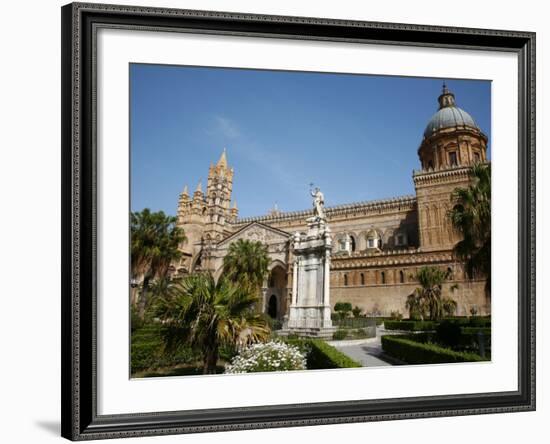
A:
{"x": 309, "y": 311}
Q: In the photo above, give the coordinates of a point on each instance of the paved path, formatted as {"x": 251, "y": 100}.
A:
{"x": 368, "y": 352}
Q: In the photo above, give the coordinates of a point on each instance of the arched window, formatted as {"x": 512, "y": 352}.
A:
{"x": 362, "y": 279}
{"x": 401, "y": 276}
{"x": 383, "y": 277}
{"x": 352, "y": 243}
{"x": 345, "y": 280}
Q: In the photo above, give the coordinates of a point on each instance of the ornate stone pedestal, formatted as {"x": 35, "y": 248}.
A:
{"x": 309, "y": 313}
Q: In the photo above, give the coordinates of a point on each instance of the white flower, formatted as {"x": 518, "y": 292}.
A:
{"x": 271, "y": 356}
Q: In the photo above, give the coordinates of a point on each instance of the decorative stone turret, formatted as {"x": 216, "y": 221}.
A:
{"x": 234, "y": 212}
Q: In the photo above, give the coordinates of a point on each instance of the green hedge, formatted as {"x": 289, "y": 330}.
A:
{"x": 324, "y": 356}
{"x": 474, "y": 330}
{"x": 404, "y": 348}
{"x": 410, "y": 325}
{"x": 321, "y": 355}
{"x": 354, "y": 322}
{"x": 472, "y": 321}
{"x": 147, "y": 351}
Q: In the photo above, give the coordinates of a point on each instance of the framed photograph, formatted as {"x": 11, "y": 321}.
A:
{"x": 279, "y": 221}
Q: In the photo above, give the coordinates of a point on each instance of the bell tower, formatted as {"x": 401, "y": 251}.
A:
{"x": 218, "y": 198}
{"x": 451, "y": 145}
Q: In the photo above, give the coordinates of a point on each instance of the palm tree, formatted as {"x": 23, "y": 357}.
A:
{"x": 155, "y": 241}
{"x": 206, "y": 315}
{"x": 471, "y": 216}
{"x": 246, "y": 264}
{"x": 427, "y": 300}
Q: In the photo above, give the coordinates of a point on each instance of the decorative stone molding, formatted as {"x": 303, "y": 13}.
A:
{"x": 358, "y": 208}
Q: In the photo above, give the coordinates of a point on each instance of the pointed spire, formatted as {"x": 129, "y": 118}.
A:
{"x": 234, "y": 204}
{"x": 199, "y": 187}
{"x": 223, "y": 159}
{"x": 185, "y": 191}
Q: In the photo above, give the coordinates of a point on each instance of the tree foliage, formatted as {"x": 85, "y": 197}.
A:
{"x": 154, "y": 245}
{"x": 247, "y": 264}
{"x": 427, "y": 301}
{"x": 208, "y": 315}
{"x": 471, "y": 216}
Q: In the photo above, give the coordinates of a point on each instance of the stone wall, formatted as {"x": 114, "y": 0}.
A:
{"x": 381, "y": 300}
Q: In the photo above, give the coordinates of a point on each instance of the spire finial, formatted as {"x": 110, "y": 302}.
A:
{"x": 223, "y": 159}
{"x": 199, "y": 187}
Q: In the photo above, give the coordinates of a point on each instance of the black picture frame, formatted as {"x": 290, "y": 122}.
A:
{"x": 80, "y": 420}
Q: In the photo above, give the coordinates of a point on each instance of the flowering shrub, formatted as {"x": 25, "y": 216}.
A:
{"x": 269, "y": 357}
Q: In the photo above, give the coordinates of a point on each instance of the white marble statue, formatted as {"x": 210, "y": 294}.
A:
{"x": 318, "y": 203}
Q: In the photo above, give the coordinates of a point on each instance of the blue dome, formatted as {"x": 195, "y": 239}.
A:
{"x": 449, "y": 117}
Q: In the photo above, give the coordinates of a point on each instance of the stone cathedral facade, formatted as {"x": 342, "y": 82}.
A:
{"x": 377, "y": 246}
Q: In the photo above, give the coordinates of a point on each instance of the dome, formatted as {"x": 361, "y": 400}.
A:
{"x": 449, "y": 115}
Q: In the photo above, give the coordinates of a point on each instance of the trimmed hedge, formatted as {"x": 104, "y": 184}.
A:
{"x": 410, "y": 325}
{"x": 474, "y": 330}
{"x": 338, "y": 335}
{"x": 354, "y": 322}
{"x": 147, "y": 351}
{"x": 321, "y": 355}
{"x": 404, "y": 348}
{"x": 324, "y": 356}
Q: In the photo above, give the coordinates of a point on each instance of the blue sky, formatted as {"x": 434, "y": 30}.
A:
{"x": 354, "y": 136}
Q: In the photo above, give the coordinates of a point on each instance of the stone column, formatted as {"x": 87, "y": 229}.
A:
{"x": 295, "y": 281}
{"x": 326, "y": 290}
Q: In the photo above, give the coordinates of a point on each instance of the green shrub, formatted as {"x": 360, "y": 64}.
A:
{"x": 356, "y": 311}
{"x": 449, "y": 333}
{"x": 342, "y": 306}
{"x": 478, "y": 321}
{"x": 354, "y": 322}
{"x": 486, "y": 331}
{"x": 323, "y": 355}
{"x": 406, "y": 349}
{"x": 338, "y": 335}
{"x": 396, "y": 316}
{"x": 320, "y": 355}
{"x": 342, "y": 309}
{"x": 410, "y": 325}
{"x": 147, "y": 350}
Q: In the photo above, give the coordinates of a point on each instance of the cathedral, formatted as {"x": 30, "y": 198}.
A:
{"x": 377, "y": 246}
